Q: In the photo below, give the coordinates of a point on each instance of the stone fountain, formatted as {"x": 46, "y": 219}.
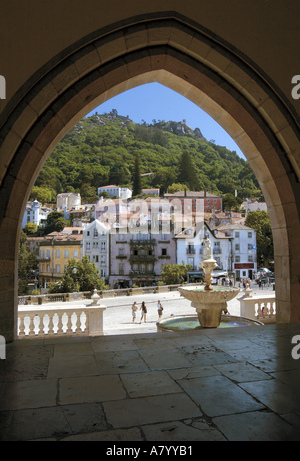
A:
{"x": 209, "y": 302}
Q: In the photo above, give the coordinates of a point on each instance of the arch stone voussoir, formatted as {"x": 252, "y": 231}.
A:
{"x": 188, "y": 59}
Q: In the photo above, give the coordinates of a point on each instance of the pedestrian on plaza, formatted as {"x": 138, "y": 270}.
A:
{"x": 144, "y": 311}
{"x": 134, "y": 309}
{"x": 259, "y": 284}
{"x": 159, "y": 309}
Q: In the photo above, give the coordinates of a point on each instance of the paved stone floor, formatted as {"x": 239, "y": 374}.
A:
{"x": 209, "y": 385}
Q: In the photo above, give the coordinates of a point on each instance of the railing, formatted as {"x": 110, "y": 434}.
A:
{"x": 261, "y": 308}
{"x": 60, "y": 321}
{"x": 55, "y": 297}
{"x": 69, "y": 297}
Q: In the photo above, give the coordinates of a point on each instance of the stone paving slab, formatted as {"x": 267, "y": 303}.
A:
{"x": 237, "y": 384}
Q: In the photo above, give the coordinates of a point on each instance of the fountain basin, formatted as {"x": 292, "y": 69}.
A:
{"x": 191, "y": 322}
{"x": 209, "y": 304}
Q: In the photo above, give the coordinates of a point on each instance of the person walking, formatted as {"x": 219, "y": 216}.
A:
{"x": 159, "y": 309}
{"x": 134, "y": 309}
{"x": 144, "y": 311}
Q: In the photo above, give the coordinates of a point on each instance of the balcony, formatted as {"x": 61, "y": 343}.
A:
{"x": 43, "y": 258}
{"x": 142, "y": 258}
{"x": 142, "y": 242}
{"x": 190, "y": 251}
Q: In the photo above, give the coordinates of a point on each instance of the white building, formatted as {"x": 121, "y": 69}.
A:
{"x": 96, "y": 246}
{"x": 35, "y": 213}
{"x": 189, "y": 249}
{"x": 243, "y": 249}
{"x": 67, "y": 201}
{"x": 253, "y": 205}
{"x": 116, "y": 191}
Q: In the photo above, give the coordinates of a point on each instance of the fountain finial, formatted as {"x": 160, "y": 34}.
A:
{"x": 208, "y": 264}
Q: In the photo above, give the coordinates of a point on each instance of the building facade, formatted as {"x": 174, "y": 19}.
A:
{"x": 55, "y": 252}
{"x": 189, "y": 250}
{"x": 96, "y": 246}
{"x": 68, "y": 201}
{"x": 137, "y": 258}
{"x": 197, "y": 201}
{"x": 35, "y": 213}
{"x": 243, "y": 249}
{"x": 116, "y": 191}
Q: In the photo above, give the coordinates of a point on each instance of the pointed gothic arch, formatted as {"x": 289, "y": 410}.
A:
{"x": 181, "y": 55}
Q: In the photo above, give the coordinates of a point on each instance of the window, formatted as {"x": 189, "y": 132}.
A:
{"x": 121, "y": 269}
{"x": 103, "y": 262}
{"x": 191, "y": 261}
{"x": 237, "y": 235}
{"x": 95, "y": 233}
{"x": 103, "y": 246}
{"x": 250, "y": 259}
{"x": 57, "y": 253}
{"x": 121, "y": 251}
{"x": 164, "y": 252}
{"x": 237, "y": 259}
{"x": 249, "y": 235}
{"x": 75, "y": 253}
{"x": 249, "y": 247}
{"x": 88, "y": 246}
{"x": 66, "y": 253}
{"x": 237, "y": 247}
{"x": 57, "y": 268}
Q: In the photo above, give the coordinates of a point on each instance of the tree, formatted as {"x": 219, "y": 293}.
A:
{"x": 187, "y": 172}
{"x": 260, "y": 221}
{"x": 137, "y": 180}
{"x": 55, "y": 222}
{"x": 78, "y": 276}
{"x": 27, "y": 266}
{"x": 173, "y": 274}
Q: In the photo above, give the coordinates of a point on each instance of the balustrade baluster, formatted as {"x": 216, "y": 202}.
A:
{"x": 87, "y": 324}
{"x": 69, "y": 324}
{"x": 60, "y": 323}
{"x": 22, "y": 324}
{"x": 259, "y": 310}
{"x": 36, "y": 325}
{"x": 31, "y": 325}
{"x": 51, "y": 324}
{"x": 78, "y": 323}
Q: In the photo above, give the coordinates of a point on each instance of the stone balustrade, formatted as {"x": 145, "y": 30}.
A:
{"x": 262, "y": 308}
{"x": 60, "y": 321}
{"x": 69, "y": 297}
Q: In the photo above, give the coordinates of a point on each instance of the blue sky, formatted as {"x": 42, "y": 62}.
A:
{"x": 155, "y": 101}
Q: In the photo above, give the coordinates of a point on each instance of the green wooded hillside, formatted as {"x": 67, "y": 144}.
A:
{"x": 101, "y": 150}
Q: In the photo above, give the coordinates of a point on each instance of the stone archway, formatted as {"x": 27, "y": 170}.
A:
{"x": 192, "y": 62}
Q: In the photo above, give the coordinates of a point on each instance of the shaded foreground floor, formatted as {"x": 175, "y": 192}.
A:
{"x": 214, "y": 385}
